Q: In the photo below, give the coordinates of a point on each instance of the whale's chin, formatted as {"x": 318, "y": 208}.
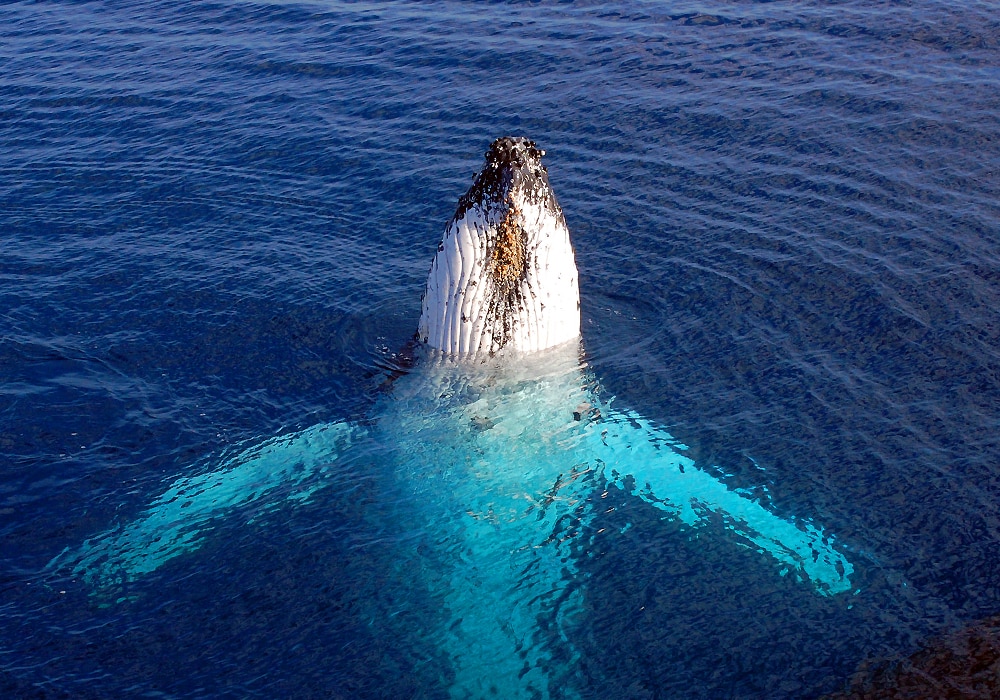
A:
{"x": 504, "y": 277}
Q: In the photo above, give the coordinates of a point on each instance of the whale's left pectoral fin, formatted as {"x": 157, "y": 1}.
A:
{"x": 290, "y": 467}
{"x": 646, "y": 461}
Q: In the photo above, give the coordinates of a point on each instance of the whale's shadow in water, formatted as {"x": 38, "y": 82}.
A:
{"x": 497, "y": 464}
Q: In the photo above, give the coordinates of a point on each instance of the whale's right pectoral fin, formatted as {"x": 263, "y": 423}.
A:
{"x": 644, "y": 460}
{"x": 290, "y": 467}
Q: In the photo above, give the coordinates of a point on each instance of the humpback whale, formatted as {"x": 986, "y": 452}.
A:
{"x": 498, "y": 442}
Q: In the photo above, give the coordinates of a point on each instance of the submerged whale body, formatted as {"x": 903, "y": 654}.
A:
{"x": 499, "y": 441}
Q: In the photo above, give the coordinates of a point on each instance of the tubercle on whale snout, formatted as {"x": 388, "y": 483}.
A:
{"x": 512, "y": 163}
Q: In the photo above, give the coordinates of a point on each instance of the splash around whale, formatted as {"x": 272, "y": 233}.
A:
{"x": 498, "y": 441}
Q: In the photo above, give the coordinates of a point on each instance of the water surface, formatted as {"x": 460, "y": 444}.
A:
{"x": 215, "y": 225}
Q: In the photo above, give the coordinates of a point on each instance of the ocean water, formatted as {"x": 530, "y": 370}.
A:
{"x": 216, "y": 221}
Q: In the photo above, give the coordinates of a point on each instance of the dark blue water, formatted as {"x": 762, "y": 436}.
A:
{"x": 215, "y": 224}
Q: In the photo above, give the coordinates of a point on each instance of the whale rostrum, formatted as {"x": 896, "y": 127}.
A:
{"x": 504, "y": 276}
{"x": 495, "y": 449}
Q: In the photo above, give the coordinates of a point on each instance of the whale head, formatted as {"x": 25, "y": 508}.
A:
{"x": 504, "y": 276}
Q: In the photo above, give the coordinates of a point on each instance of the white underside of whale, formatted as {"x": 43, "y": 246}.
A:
{"x": 454, "y": 316}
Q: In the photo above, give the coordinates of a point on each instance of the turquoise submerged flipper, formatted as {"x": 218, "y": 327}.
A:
{"x": 644, "y": 460}
{"x": 290, "y": 467}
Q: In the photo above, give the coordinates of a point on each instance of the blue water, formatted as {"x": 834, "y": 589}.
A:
{"x": 215, "y": 225}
